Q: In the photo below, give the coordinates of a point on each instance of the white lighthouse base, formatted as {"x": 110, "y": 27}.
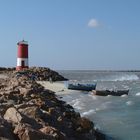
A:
{"x": 22, "y": 63}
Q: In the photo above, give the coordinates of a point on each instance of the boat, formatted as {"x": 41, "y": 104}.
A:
{"x": 110, "y": 92}
{"x": 81, "y": 86}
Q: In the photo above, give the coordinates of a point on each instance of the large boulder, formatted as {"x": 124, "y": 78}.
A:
{"x": 13, "y": 115}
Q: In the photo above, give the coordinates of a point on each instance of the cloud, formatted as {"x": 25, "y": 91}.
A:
{"x": 93, "y": 23}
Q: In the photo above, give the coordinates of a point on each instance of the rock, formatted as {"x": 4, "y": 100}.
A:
{"x": 2, "y": 98}
{"x": 99, "y": 135}
{"x": 6, "y": 131}
{"x": 60, "y": 119}
{"x": 4, "y": 107}
{"x": 25, "y": 91}
{"x": 67, "y": 114}
{"x": 57, "y": 135}
{"x": 13, "y": 115}
{"x": 38, "y": 102}
{"x": 25, "y": 132}
{"x": 11, "y": 102}
{"x": 31, "y": 112}
{"x": 13, "y": 96}
{"x": 51, "y": 110}
{"x": 84, "y": 125}
{"x": 42, "y": 73}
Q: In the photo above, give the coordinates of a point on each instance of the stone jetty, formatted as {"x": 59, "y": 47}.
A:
{"x": 30, "y": 112}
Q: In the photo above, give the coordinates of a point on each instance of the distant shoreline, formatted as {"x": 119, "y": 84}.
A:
{"x": 103, "y": 70}
{"x": 13, "y": 68}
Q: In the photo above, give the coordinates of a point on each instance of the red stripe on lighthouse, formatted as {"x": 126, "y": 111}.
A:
{"x": 22, "y": 51}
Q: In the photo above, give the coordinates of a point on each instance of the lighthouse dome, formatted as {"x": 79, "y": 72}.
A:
{"x": 23, "y": 42}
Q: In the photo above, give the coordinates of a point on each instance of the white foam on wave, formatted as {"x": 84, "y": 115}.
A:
{"x": 126, "y": 78}
{"x": 109, "y": 96}
{"x": 129, "y": 103}
{"x": 123, "y": 77}
{"x": 124, "y": 95}
{"x": 97, "y": 109}
{"x": 77, "y": 103}
{"x": 88, "y": 113}
{"x": 101, "y": 108}
{"x": 104, "y": 106}
{"x": 94, "y": 97}
{"x": 138, "y": 94}
{"x": 125, "y": 86}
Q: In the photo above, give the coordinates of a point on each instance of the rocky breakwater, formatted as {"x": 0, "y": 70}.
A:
{"x": 29, "y": 112}
{"x": 36, "y": 73}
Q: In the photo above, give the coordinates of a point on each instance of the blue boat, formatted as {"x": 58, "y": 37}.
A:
{"x": 81, "y": 86}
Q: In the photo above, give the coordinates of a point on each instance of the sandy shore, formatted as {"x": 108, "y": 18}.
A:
{"x": 58, "y": 87}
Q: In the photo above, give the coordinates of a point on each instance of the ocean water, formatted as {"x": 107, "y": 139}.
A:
{"x": 118, "y": 117}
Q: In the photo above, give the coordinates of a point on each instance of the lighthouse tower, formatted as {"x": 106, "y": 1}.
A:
{"x": 22, "y": 55}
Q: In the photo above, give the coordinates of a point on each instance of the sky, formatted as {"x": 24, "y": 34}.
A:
{"x": 72, "y": 34}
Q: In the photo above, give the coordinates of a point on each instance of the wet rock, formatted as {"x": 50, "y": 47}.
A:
{"x": 84, "y": 125}
{"x": 99, "y": 135}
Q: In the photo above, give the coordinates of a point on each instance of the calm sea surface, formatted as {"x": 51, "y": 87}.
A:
{"x": 118, "y": 117}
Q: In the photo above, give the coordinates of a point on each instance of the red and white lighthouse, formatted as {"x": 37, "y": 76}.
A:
{"x": 22, "y": 55}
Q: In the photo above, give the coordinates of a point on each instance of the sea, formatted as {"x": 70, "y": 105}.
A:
{"x": 117, "y": 117}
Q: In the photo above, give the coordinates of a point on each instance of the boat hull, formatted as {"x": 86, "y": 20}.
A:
{"x": 84, "y": 87}
{"x": 108, "y": 92}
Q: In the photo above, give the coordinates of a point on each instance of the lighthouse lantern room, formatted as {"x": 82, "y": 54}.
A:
{"x": 22, "y": 55}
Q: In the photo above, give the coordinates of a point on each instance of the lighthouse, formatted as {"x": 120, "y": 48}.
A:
{"x": 22, "y": 55}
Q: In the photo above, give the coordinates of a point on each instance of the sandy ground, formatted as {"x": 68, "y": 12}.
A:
{"x": 58, "y": 87}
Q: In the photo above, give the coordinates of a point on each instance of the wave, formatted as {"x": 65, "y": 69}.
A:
{"x": 94, "y": 97}
{"x": 138, "y": 94}
{"x": 127, "y": 78}
{"x": 129, "y": 103}
{"x": 124, "y": 77}
{"x": 104, "y": 106}
{"x": 87, "y": 113}
{"x": 77, "y": 104}
{"x": 124, "y": 95}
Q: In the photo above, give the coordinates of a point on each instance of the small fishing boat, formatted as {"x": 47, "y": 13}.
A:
{"x": 110, "y": 92}
{"x": 81, "y": 86}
